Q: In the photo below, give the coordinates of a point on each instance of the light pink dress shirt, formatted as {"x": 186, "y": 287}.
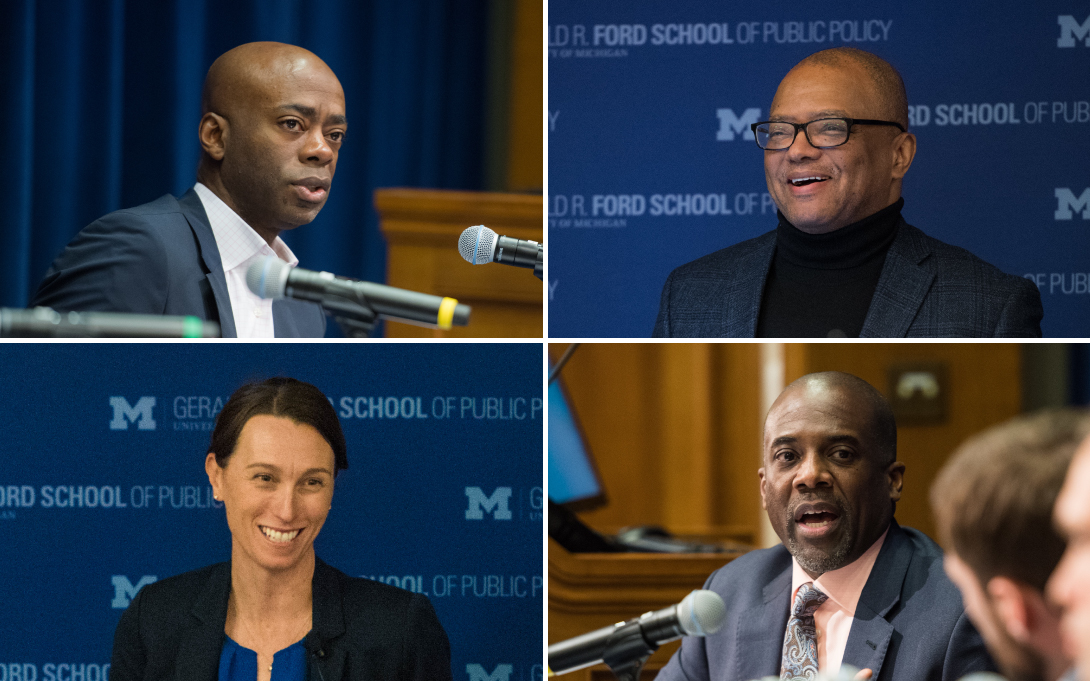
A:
{"x": 834, "y": 618}
{"x": 240, "y": 246}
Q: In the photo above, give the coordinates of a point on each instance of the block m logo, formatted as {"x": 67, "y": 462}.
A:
{"x": 495, "y": 504}
{"x": 1066, "y": 202}
{"x": 124, "y": 591}
{"x": 1071, "y": 30}
{"x": 731, "y": 125}
{"x": 140, "y": 414}
{"x": 502, "y": 672}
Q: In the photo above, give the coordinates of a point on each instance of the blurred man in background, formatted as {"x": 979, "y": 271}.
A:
{"x": 993, "y": 502}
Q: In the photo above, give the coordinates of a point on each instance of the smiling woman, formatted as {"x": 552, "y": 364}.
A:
{"x": 276, "y": 611}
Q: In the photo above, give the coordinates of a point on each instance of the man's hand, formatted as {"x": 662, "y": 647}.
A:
{"x": 863, "y": 675}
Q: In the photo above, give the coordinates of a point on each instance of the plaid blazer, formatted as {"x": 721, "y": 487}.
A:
{"x": 927, "y": 289}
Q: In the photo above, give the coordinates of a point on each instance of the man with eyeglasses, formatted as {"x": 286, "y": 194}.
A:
{"x": 842, "y": 262}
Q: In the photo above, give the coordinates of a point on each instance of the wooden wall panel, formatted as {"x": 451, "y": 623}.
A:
{"x": 525, "y": 166}
{"x": 675, "y": 427}
{"x": 422, "y": 227}
{"x": 985, "y": 389}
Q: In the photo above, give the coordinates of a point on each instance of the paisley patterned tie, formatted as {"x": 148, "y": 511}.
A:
{"x": 800, "y": 658}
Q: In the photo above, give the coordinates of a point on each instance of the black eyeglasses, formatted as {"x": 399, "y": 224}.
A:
{"x": 822, "y": 133}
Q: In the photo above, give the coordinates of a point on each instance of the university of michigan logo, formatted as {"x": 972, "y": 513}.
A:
{"x": 124, "y": 413}
{"x": 124, "y": 591}
{"x": 502, "y": 672}
{"x": 1067, "y": 204}
{"x": 1071, "y": 31}
{"x": 497, "y": 504}
{"x": 731, "y": 125}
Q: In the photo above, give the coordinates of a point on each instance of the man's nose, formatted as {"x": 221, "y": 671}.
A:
{"x": 801, "y": 149}
{"x": 812, "y": 472}
{"x": 1057, "y": 589}
{"x": 316, "y": 148}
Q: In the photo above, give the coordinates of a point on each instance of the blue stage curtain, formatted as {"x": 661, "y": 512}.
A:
{"x": 102, "y": 102}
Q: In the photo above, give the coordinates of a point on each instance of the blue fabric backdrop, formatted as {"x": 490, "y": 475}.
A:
{"x": 103, "y": 101}
{"x": 652, "y": 163}
{"x": 103, "y": 489}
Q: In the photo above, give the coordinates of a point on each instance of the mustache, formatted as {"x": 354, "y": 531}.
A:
{"x": 829, "y": 501}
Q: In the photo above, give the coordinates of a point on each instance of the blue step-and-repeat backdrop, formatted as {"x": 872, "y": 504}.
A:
{"x": 103, "y": 489}
{"x": 652, "y": 163}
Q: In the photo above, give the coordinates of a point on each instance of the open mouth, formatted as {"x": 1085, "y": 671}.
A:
{"x": 277, "y": 536}
{"x": 803, "y": 181}
{"x": 816, "y": 521}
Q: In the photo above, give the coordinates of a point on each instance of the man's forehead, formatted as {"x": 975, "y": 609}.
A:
{"x": 1073, "y": 505}
{"x": 834, "y": 87}
{"x": 816, "y": 408}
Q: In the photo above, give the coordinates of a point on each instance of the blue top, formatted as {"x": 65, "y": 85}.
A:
{"x": 240, "y": 664}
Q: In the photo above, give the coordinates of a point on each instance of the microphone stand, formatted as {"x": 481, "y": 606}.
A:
{"x": 356, "y": 320}
{"x": 627, "y": 651}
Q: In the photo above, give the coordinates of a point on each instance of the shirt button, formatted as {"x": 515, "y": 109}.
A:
{"x": 257, "y": 311}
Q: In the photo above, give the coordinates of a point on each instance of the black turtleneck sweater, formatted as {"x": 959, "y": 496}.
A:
{"x": 821, "y": 285}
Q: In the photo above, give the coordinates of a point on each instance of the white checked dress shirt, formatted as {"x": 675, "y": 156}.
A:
{"x": 240, "y": 246}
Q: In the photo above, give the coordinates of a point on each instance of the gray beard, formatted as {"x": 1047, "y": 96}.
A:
{"x": 814, "y": 560}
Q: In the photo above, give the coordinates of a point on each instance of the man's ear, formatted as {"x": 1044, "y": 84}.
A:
{"x": 761, "y": 475}
{"x": 904, "y": 150}
{"x": 896, "y": 473}
{"x": 213, "y": 135}
{"x": 1011, "y": 607}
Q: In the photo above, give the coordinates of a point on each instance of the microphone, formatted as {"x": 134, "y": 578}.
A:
{"x": 44, "y": 322}
{"x": 698, "y": 614}
{"x": 274, "y": 278}
{"x": 480, "y": 245}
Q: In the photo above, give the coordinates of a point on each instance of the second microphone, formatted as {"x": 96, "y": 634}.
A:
{"x": 274, "y": 278}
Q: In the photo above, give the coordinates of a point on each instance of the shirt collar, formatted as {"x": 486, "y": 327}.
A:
{"x": 844, "y": 585}
{"x": 236, "y": 240}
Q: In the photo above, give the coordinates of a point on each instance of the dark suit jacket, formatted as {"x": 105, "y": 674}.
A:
{"x": 159, "y": 258}
{"x": 173, "y": 629}
{"x": 909, "y": 622}
{"x": 927, "y": 289}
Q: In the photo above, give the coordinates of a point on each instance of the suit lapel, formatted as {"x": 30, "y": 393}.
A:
{"x": 201, "y": 645}
{"x": 761, "y": 631}
{"x": 328, "y": 623}
{"x": 871, "y": 631}
{"x": 902, "y": 287}
{"x": 193, "y": 210}
{"x": 744, "y": 299}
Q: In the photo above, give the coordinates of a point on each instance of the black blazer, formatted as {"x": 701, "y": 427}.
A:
{"x": 158, "y": 258}
{"x": 927, "y": 289}
{"x": 174, "y": 629}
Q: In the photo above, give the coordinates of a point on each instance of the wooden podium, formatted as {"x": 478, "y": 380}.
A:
{"x": 422, "y": 227}
{"x": 588, "y": 591}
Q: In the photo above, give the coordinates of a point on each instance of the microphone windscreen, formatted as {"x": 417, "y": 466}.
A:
{"x": 268, "y": 277}
{"x": 701, "y": 613}
{"x": 477, "y": 245}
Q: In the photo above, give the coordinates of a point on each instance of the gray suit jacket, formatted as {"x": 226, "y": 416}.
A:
{"x": 909, "y": 622}
{"x": 927, "y": 289}
{"x": 158, "y": 258}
